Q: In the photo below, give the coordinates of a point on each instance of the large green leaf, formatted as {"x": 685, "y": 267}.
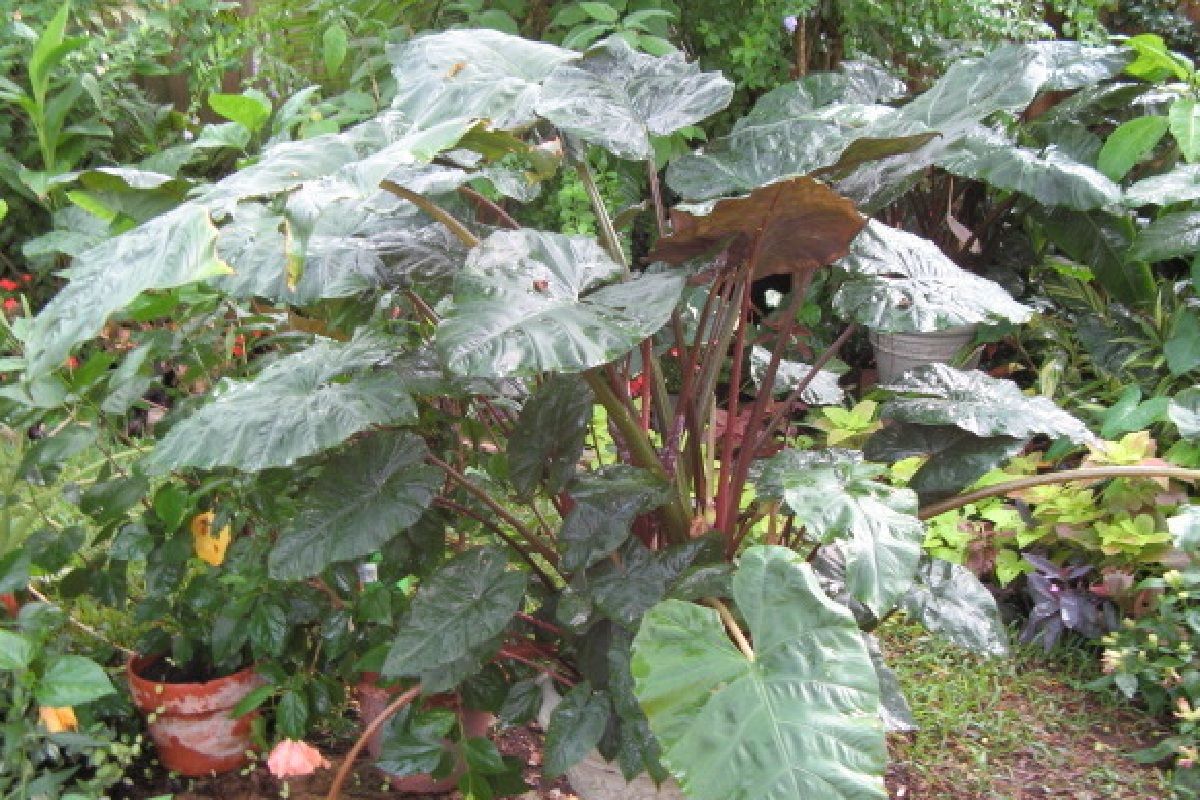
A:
{"x": 1182, "y": 347}
{"x": 1100, "y": 241}
{"x": 1184, "y": 411}
{"x": 979, "y": 404}
{"x": 550, "y": 433}
{"x": 1074, "y": 66}
{"x": 1174, "y": 235}
{"x": 901, "y": 283}
{"x": 1008, "y": 79}
{"x": 1050, "y": 177}
{"x": 462, "y": 607}
{"x": 345, "y": 255}
{"x": 1130, "y": 143}
{"x": 360, "y": 500}
{"x": 606, "y": 503}
{"x": 618, "y": 98}
{"x": 955, "y": 458}
{"x": 472, "y": 73}
{"x": 171, "y": 250}
{"x": 822, "y": 391}
{"x": 72, "y": 681}
{"x": 528, "y": 302}
{"x": 298, "y": 406}
{"x": 575, "y": 728}
{"x": 1185, "y": 127}
{"x": 950, "y": 601}
{"x": 1180, "y": 185}
{"x": 799, "y": 720}
{"x": 835, "y": 496}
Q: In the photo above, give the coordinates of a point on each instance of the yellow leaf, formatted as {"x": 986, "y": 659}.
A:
{"x": 58, "y": 720}
{"x": 209, "y": 548}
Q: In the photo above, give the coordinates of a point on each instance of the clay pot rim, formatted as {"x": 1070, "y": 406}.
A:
{"x": 141, "y": 687}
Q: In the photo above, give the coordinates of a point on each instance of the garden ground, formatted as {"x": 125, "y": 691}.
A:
{"x": 1021, "y": 728}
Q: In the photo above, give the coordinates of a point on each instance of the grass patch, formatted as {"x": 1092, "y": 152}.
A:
{"x": 1012, "y": 728}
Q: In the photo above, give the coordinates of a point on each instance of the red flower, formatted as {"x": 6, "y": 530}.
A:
{"x": 11, "y": 304}
{"x": 26, "y": 277}
{"x": 636, "y": 384}
{"x": 72, "y": 362}
{"x": 9, "y": 285}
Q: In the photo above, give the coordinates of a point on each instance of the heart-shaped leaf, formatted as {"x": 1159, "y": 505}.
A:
{"x": 788, "y": 227}
{"x": 618, "y": 98}
{"x": 549, "y": 437}
{"x": 950, "y": 601}
{"x": 360, "y": 500}
{"x": 979, "y": 404}
{"x": 901, "y": 283}
{"x": 834, "y": 494}
{"x": 606, "y": 503}
{"x": 529, "y": 301}
{"x": 298, "y": 406}
{"x": 804, "y": 712}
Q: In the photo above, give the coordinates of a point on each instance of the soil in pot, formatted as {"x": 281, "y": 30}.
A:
{"x": 190, "y": 722}
{"x": 373, "y": 699}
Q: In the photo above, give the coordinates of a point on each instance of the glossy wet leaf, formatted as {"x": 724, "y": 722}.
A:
{"x": 804, "y": 712}
{"x": 1180, "y": 185}
{"x": 950, "y": 601}
{"x": 792, "y": 226}
{"x": 575, "y": 729}
{"x": 171, "y": 250}
{"x": 1174, "y": 235}
{"x": 472, "y": 73}
{"x": 901, "y": 283}
{"x": 549, "y": 436}
{"x": 955, "y": 458}
{"x": 529, "y": 301}
{"x": 606, "y": 503}
{"x": 359, "y": 501}
{"x": 835, "y": 496}
{"x": 1050, "y": 176}
{"x": 1185, "y": 127}
{"x": 459, "y": 609}
{"x": 822, "y": 391}
{"x": 1184, "y": 411}
{"x": 298, "y": 406}
{"x": 414, "y": 741}
{"x": 618, "y": 98}
{"x": 979, "y": 404}
{"x": 894, "y": 711}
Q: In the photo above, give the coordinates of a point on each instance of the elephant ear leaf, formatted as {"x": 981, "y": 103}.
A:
{"x": 618, "y": 98}
{"x": 171, "y": 250}
{"x": 361, "y": 500}
{"x": 456, "y": 617}
{"x": 834, "y": 494}
{"x": 299, "y": 406}
{"x": 898, "y": 282}
{"x": 484, "y": 74}
{"x": 529, "y": 301}
{"x": 791, "y": 226}
{"x": 950, "y": 601}
{"x": 804, "y": 710}
{"x": 979, "y": 404}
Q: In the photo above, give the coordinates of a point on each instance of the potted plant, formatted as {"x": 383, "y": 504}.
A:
{"x": 434, "y": 388}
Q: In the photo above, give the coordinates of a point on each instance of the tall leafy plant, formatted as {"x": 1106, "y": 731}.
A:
{"x": 438, "y": 363}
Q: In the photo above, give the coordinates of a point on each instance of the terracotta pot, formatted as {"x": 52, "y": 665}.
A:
{"x": 190, "y": 722}
{"x": 373, "y": 699}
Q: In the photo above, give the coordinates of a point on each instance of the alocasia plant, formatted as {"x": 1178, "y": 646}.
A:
{"x": 436, "y": 365}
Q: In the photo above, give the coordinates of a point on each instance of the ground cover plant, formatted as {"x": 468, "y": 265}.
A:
{"x": 369, "y": 424}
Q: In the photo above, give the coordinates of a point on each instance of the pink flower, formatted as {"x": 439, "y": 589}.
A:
{"x": 293, "y": 759}
{"x": 9, "y": 285}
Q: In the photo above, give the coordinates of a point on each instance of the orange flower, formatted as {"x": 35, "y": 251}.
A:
{"x": 293, "y": 759}
{"x": 58, "y": 720}
{"x": 209, "y": 548}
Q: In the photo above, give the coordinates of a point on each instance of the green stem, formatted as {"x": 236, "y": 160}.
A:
{"x": 542, "y": 548}
{"x": 642, "y": 450}
{"x": 1066, "y": 476}
{"x": 431, "y": 208}
{"x": 608, "y": 232}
